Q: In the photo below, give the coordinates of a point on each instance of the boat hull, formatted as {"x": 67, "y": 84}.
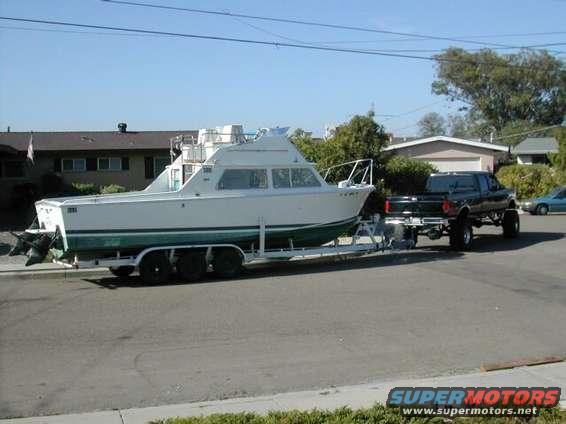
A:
{"x": 276, "y": 236}
{"x": 101, "y": 225}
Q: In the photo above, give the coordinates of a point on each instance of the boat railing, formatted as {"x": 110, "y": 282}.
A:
{"x": 360, "y": 174}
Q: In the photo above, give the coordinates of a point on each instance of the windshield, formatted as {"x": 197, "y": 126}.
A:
{"x": 450, "y": 183}
{"x": 555, "y": 191}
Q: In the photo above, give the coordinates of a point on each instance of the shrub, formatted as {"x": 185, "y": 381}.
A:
{"x": 406, "y": 176}
{"x": 528, "y": 180}
{"x": 112, "y": 188}
{"x": 85, "y": 189}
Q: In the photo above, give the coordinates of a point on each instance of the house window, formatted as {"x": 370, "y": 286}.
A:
{"x": 13, "y": 169}
{"x": 160, "y": 163}
{"x": 74, "y": 165}
{"x": 109, "y": 164}
{"x": 243, "y": 179}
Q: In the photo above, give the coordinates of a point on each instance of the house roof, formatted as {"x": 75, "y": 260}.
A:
{"x": 473, "y": 143}
{"x": 90, "y": 140}
{"x": 536, "y": 145}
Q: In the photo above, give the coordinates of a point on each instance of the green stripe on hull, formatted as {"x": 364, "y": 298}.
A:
{"x": 302, "y": 236}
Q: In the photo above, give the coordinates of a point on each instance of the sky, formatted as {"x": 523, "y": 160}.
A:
{"x": 91, "y": 81}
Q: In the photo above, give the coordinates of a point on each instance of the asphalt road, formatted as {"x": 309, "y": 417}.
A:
{"x": 68, "y": 346}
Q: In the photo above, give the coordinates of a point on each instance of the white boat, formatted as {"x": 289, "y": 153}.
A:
{"x": 220, "y": 189}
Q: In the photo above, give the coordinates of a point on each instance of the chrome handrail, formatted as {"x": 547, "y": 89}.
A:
{"x": 353, "y": 173}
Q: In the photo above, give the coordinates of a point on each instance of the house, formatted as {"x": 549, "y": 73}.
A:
{"x": 128, "y": 158}
{"x": 450, "y": 153}
{"x": 535, "y": 150}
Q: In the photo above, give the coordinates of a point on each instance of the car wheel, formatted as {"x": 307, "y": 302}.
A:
{"x": 462, "y": 235}
{"x": 155, "y": 268}
{"x": 511, "y": 224}
{"x": 191, "y": 266}
{"x": 542, "y": 209}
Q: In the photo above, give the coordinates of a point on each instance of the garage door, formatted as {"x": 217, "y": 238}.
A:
{"x": 456, "y": 164}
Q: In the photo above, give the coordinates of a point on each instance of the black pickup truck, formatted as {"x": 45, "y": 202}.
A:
{"x": 452, "y": 204}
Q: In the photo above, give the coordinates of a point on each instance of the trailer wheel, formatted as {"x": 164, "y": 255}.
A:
{"x": 461, "y": 235}
{"x": 155, "y": 268}
{"x": 227, "y": 263}
{"x": 511, "y": 224}
{"x": 191, "y": 265}
{"x": 122, "y": 271}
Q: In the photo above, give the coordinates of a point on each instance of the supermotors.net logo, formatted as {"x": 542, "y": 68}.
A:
{"x": 473, "y": 401}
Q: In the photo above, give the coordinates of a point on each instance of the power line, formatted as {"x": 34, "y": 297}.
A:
{"x": 19, "y": 28}
{"x": 414, "y": 110}
{"x": 302, "y": 22}
{"x": 258, "y": 42}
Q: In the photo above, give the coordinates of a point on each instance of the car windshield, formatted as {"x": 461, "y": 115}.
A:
{"x": 450, "y": 183}
{"x": 555, "y": 191}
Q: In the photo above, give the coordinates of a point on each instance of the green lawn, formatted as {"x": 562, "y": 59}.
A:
{"x": 376, "y": 414}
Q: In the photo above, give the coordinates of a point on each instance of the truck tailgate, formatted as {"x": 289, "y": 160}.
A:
{"x": 417, "y": 206}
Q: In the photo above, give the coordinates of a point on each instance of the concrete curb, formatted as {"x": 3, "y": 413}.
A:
{"x": 359, "y": 396}
{"x": 65, "y": 274}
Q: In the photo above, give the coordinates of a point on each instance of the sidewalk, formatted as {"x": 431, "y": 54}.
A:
{"x": 363, "y": 395}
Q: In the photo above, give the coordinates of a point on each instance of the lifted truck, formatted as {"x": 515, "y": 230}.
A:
{"x": 452, "y": 204}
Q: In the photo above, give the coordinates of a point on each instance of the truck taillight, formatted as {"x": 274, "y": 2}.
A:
{"x": 387, "y": 206}
{"x": 446, "y": 206}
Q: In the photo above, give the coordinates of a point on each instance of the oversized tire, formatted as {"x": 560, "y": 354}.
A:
{"x": 461, "y": 235}
{"x": 122, "y": 271}
{"x": 542, "y": 209}
{"x": 191, "y": 265}
{"x": 511, "y": 224}
{"x": 227, "y": 262}
{"x": 155, "y": 268}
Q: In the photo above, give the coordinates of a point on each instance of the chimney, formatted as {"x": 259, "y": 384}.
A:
{"x": 122, "y": 126}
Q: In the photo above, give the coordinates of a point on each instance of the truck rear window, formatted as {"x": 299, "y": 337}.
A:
{"x": 450, "y": 183}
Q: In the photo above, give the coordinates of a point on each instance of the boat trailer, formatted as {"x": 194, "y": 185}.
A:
{"x": 192, "y": 261}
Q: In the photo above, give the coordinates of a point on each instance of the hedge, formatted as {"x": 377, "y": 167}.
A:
{"x": 529, "y": 180}
{"x": 374, "y": 415}
{"x": 406, "y": 176}
{"x": 112, "y": 188}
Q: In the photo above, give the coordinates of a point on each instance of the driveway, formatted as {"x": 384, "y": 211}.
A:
{"x": 78, "y": 345}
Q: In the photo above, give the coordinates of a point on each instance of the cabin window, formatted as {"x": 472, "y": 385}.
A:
{"x": 74, "y": 165}
{"x": 281, "y": 178}
{"x": 243, "y": 179}
{"x": 303, "y": 177}
{"x": 109, "y": 164}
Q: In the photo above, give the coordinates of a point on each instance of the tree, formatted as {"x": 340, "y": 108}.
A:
{"x": 305, "y": 144}
{"x": 432, "y": 124}
{"x": 559, "y": 159}
{"x": 458, "y": 126}
{"x": 526, "y": 86}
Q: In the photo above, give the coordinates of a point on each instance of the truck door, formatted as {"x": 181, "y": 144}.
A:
{"x": 484, "y": 192}
{"x": 497, "y": 194}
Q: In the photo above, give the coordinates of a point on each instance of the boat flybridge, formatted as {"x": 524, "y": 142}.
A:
{"x": 226, "y": 198}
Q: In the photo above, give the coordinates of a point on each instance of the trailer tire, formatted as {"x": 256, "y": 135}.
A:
{"x": 191, "y": 265}
{"x": 511, "y": 224}
{"x": 227, "y": 262}
{"x": 122, "y": 271}
{"x": 461, "y": 235}
{"x": 155, "y": 268}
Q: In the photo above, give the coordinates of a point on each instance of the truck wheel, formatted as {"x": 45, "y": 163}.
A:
{"x": 511, "y": 225}
{"x": 542, "y": 209}
{"x": 227, "y": 263}
{"x": 191, "y": 266}
{"x": 461, "y": 235}
{"x": 122, "y": 271}
{"x": 155, "y": 268}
